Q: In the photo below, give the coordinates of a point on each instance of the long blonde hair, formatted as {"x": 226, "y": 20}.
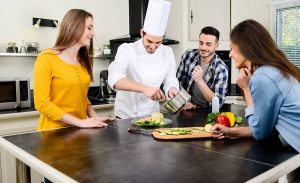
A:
{"x": 71, "y": 30}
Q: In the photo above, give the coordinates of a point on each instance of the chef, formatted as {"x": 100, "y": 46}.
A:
{"x": 140, "y": 68}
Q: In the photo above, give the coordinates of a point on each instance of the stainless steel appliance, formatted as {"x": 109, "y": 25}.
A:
{"x": 15, "y": 93}
{"x": 106, "y": 91}
{"x": 232, "y": 89}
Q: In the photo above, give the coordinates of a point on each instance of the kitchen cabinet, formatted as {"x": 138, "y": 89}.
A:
{"x": 258, "y": 10}
{"x": 215, "y": 13}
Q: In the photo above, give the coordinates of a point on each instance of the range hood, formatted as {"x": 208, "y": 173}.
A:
{"x": 137, "y": 13}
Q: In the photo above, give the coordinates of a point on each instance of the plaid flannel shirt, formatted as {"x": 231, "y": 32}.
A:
{"x": 216, "y": 76}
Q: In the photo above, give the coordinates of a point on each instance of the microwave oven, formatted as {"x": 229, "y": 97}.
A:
{"x": 15, "y": 93}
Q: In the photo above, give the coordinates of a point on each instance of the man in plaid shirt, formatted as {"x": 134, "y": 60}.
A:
{"x": 202, "y": 73}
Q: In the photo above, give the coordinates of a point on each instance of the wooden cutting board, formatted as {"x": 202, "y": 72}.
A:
{"x": 200, "y": 134}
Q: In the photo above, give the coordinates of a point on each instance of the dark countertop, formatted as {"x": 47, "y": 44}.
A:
{"x": 112, "y": 154}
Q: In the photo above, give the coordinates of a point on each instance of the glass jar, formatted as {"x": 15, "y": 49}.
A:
{"x": 11, "y": 47}
{"x": 97, "y": 51}
{"x": 106, "y": 49}
{"x": 32, "y": 47}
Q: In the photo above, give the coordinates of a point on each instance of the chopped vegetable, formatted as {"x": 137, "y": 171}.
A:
{"x": 207, "y": 128}
{"x": 156, "y": 119}
{"x": 142, "y": 122}
{"x": 175, "y": 131}
{"x": 197, "y": 128}
{"x": 181, "y": 131}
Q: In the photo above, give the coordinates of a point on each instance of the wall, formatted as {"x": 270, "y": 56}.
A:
{"x": 258, "y": 10}
{"x": 110, "y": 21}
{"x": 174, "y": 28}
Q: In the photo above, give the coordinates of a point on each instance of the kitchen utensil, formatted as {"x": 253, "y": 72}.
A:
{"x": 140, "y": 131}
{"x": 166, "y": 122}
{"x": 178, "y": 101}
{"x": 197, "y": 132}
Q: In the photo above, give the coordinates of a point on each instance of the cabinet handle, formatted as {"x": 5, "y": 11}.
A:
{"x": 192, "y": 17}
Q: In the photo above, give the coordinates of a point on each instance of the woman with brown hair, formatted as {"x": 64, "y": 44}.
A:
{"x": 62, "y": 76}
{"x": 270, "y": 83}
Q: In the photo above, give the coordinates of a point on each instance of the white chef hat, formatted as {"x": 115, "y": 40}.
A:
{"x": 157, "y": 17}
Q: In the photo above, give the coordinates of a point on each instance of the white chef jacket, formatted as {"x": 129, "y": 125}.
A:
{"x": 134, "y": 62}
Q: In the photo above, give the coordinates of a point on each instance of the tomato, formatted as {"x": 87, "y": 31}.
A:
{"x": 222, "y": 119}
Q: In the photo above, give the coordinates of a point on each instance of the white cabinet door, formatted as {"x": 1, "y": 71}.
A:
{"x": 215, "y": 13}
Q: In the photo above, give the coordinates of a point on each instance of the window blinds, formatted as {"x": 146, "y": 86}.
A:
{"x": 288, "y": 32}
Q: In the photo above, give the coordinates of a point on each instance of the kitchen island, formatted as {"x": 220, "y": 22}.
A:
{"x": 112, "y": 154}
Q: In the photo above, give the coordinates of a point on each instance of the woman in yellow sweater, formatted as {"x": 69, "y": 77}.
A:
{"x": 62, "y": 76}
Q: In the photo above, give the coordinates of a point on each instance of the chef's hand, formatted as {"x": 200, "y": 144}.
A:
{"x": 153, "y": 93}
{"x": 243, "y": 78}
{"x": 188, "y": 106}
{"x": 91, "y": 123}
{"x": 172, "y": 92}
{"x": 220, "y": 131}
{"x": 197, "y": 73}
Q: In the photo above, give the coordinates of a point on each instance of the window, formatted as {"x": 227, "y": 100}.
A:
{"x": 286, "y": 27}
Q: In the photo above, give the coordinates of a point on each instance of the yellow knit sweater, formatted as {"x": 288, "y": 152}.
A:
{"x": 59, "y": 88}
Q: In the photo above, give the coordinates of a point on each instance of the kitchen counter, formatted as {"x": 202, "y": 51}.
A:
{"x": 27, "y": 112}
{"x": 112, "y": 154}
{"x": 10, "y": 114}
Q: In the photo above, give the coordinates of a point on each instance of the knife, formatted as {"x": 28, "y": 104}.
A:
{"x": 140, "y": 131}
